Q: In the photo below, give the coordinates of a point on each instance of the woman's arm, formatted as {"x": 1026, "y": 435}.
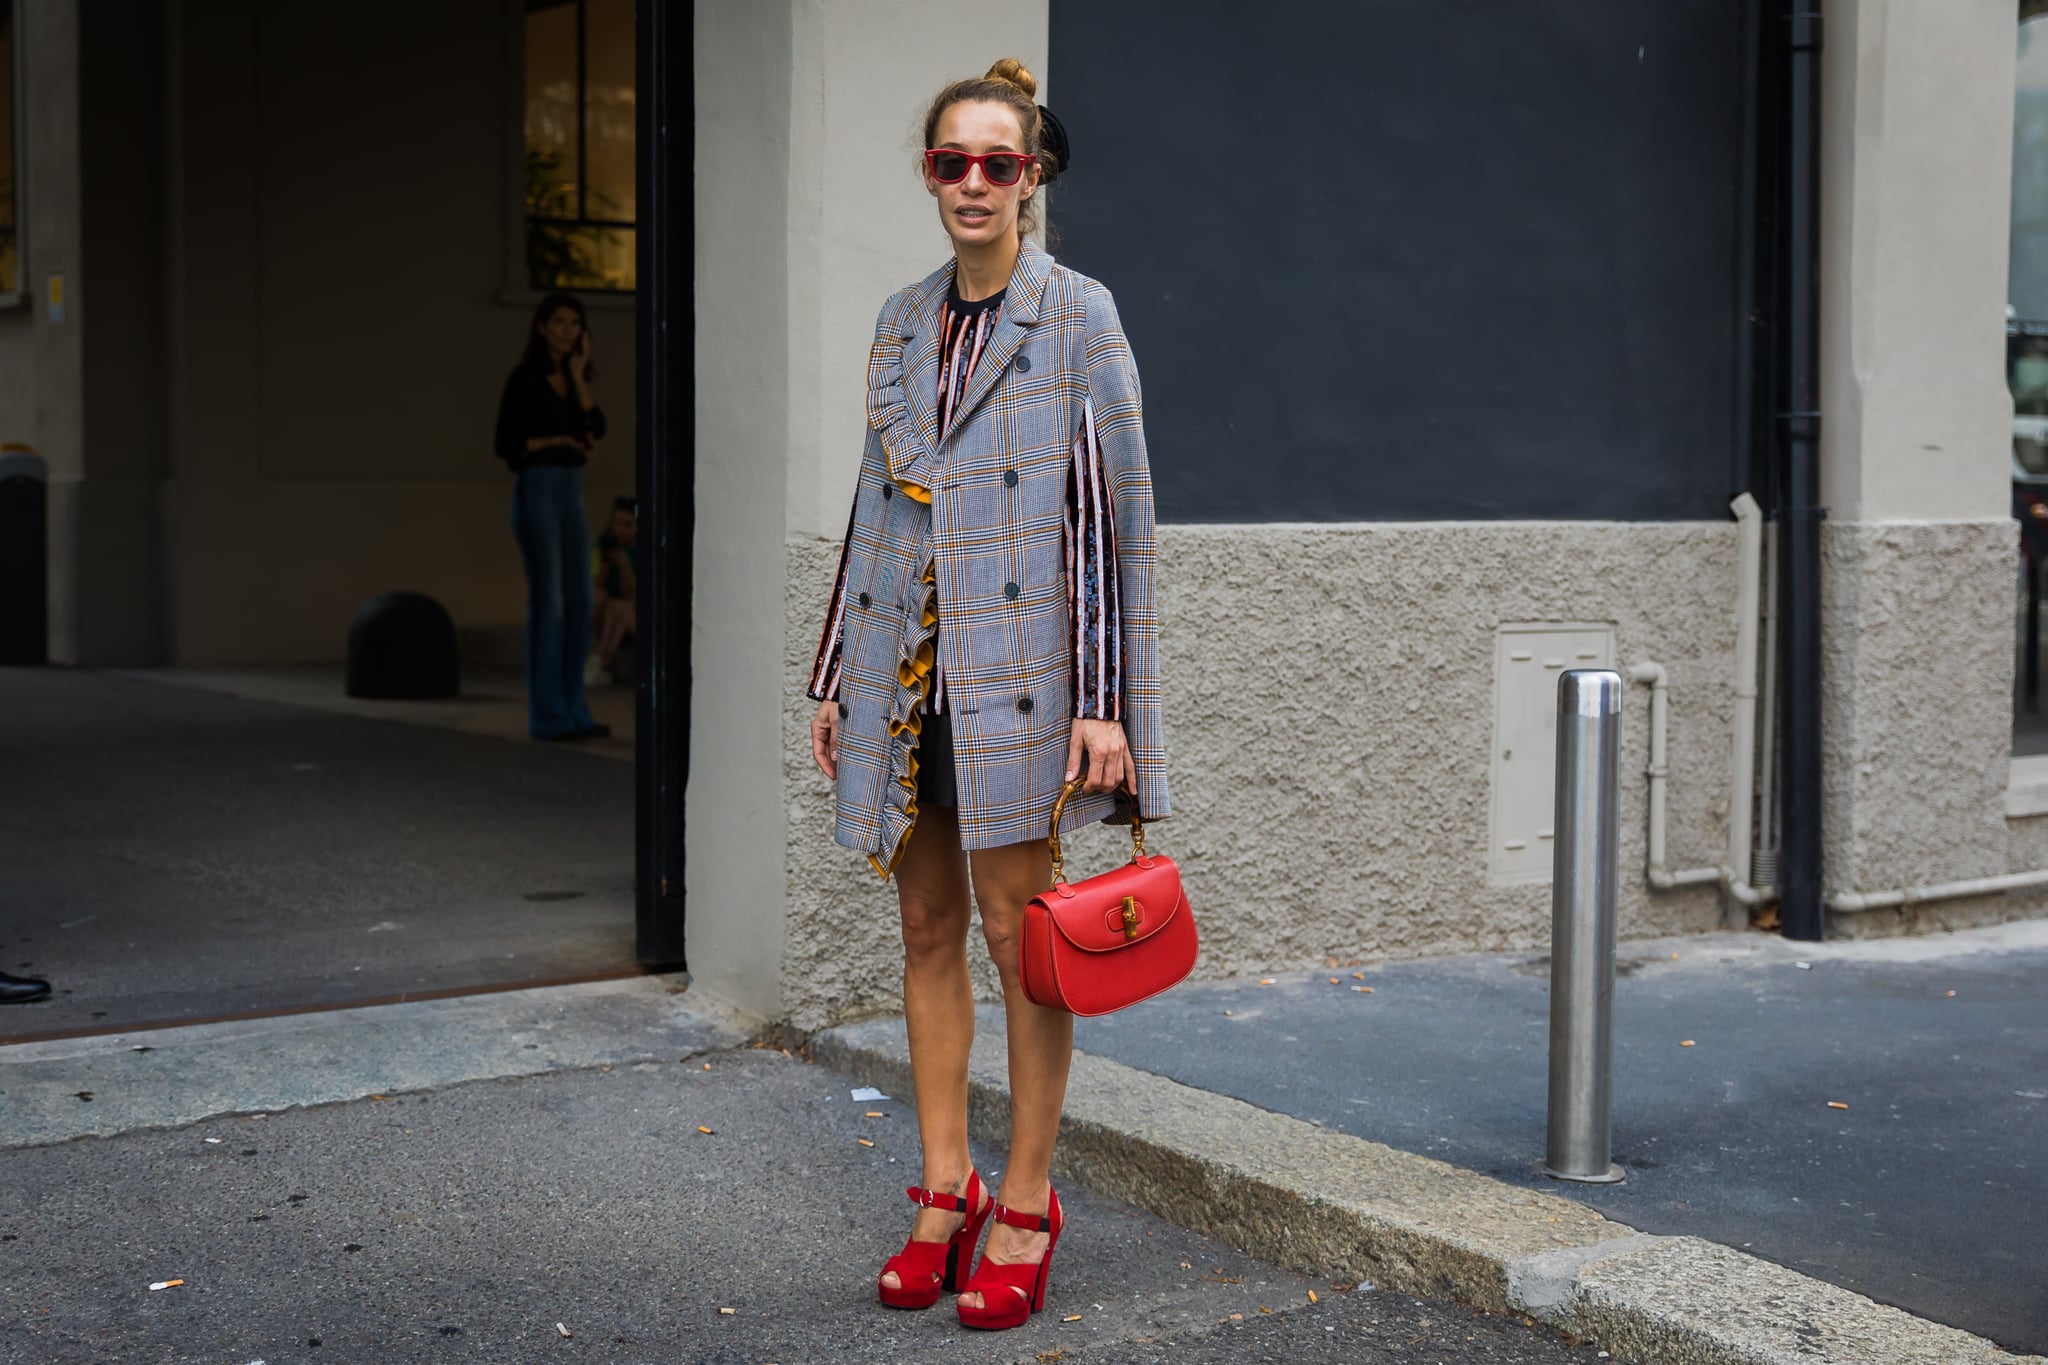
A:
{"x": 1094, "y": 596}
{"x": 509, "y": 439}
{"x": 1116, "y": 404}
{"x": 824, "y": 683}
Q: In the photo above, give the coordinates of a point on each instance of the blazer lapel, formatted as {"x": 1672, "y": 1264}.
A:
{"x": 1020, "y": 310}
{"x": 920, "y": 378}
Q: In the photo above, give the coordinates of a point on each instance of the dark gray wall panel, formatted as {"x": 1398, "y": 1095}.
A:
{"x": 1415, "y": 258}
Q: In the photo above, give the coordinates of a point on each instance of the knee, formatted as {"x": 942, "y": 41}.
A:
{"x": 931, "y": 928}
{"x": 1000, "y": 931}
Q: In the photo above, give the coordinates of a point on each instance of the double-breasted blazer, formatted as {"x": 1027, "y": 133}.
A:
{"x": 955, "y": 559}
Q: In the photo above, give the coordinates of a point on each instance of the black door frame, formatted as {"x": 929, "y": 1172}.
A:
{"x": 665, "y": 461}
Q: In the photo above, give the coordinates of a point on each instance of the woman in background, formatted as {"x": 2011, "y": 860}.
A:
{"x": 548, "y": 426}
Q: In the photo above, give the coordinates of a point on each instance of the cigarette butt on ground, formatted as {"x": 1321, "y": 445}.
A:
{"x": 1836, "y": 1104}
{"x": 864, "y": 1142}
{"x": 1071, "y": 1317}
{"x": 1311, "y": 1296}
{"x": 729, "y": 1312}
{"x": 1358, "y": 976}
{"x": 707, "y": 1066}
{"x": 1951, "y": 995}
{"x": 165, "y": 1284}
{"x": 1265, "y": 981}
{"x": 702, "y": 1129}
{"x": 873, "y": 1114}
{"x": 1333, "y": 981}
{"x": 564, "y": 1330}
{"x": 1363, "y": 990}
{"x": 1686, "y": 1043}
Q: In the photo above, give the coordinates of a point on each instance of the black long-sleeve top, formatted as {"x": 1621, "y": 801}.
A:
{"x": 530, "y": 407}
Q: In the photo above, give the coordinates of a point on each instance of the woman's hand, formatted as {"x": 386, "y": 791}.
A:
{"x": 579, "y": 360}
{"x": 1109, "y": 756}
{"x": 825, "y": 738}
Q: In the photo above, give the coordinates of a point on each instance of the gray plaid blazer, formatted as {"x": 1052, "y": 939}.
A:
{"x": 982, "y": 507}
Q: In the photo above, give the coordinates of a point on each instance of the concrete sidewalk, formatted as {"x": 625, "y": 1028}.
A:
{"x": 453, "y": 1179}
{"x": 1396, "y": 1133}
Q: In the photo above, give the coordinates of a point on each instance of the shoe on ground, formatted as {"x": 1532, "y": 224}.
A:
{"x": 19, "y": 990}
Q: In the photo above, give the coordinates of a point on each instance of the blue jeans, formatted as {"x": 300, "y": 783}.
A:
{"x": 554, "y": 544}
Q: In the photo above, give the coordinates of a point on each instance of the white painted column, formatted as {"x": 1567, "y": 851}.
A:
{"x": 1920, "y": 551}
{"x": 809, "y": 214}
{"x": 1917, "y": 170}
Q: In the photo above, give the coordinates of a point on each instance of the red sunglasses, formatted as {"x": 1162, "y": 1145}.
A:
{"x": 998, "y": 168}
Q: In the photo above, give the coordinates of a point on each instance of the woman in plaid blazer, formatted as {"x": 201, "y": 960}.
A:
{"x": 991, "y": 628}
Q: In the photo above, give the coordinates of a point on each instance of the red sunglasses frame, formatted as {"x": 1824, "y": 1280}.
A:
{"x": 932, "y": 154}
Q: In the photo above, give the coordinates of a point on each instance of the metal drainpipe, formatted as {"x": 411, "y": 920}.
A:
{"x": 1800, "y": 887}
{"x": 665, "y": 465}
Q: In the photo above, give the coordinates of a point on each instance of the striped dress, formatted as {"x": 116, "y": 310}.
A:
{"x": 1092, "y": 594}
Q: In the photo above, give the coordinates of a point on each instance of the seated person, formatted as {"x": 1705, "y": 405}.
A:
{"x": 615, "y": 584}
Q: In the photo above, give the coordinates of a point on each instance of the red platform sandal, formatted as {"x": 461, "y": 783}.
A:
{"x": 925, "y": 1270}
{"x": 1010, "y": 1294}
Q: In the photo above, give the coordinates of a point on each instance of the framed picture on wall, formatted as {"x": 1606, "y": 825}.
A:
{"x": 13, "y": 162}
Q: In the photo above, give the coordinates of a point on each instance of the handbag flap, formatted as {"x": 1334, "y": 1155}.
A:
{"x": 1117, "y": 908}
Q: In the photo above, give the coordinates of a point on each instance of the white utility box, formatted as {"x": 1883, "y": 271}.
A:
{"x": 1527, "y": 660}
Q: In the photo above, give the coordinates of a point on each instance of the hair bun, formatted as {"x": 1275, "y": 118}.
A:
{"x": 1011, "y": 70}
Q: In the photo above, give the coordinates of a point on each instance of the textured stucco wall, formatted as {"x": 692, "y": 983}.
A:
{"x": 1917, "y": 673}
{"x": 1329, "y": 716}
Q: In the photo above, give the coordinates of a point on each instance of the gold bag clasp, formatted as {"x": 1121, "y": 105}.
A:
{"x": 1130, "y": 918}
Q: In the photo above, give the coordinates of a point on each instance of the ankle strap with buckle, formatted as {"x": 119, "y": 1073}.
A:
{"x": 1030, "y": 1222}
{"x": 938, "y": 1199}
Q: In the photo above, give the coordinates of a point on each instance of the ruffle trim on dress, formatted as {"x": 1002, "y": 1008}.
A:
{"x": 916, "y": 667}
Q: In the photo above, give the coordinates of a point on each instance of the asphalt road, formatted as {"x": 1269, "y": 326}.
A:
{"x": 464, "y": 1224}
{"x": 1926, "y": 1191}
{"x": 176, "y": 854}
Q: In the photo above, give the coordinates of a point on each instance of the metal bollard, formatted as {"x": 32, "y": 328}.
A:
{"x": 1585, "y": 877}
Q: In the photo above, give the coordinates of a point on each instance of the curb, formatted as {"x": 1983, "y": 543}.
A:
{"x": 1326, "y": 1203}
{"x": 178, "y": 1076}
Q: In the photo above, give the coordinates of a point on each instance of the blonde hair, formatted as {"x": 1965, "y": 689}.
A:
{"x": 1010, "y": 84}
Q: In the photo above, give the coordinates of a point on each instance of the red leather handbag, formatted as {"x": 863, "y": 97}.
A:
{"x": 1099, "y": 945}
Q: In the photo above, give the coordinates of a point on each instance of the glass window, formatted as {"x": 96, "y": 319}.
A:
{"x": 10, "y": 157}
{"x": 2027, "y": 277}
{"x": 580, "y": 195}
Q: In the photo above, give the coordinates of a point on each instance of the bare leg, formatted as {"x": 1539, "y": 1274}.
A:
{"x": 1041, "y": 1047}
{"x": 611, "y": 628}
{"x": 938, "y": 1007}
